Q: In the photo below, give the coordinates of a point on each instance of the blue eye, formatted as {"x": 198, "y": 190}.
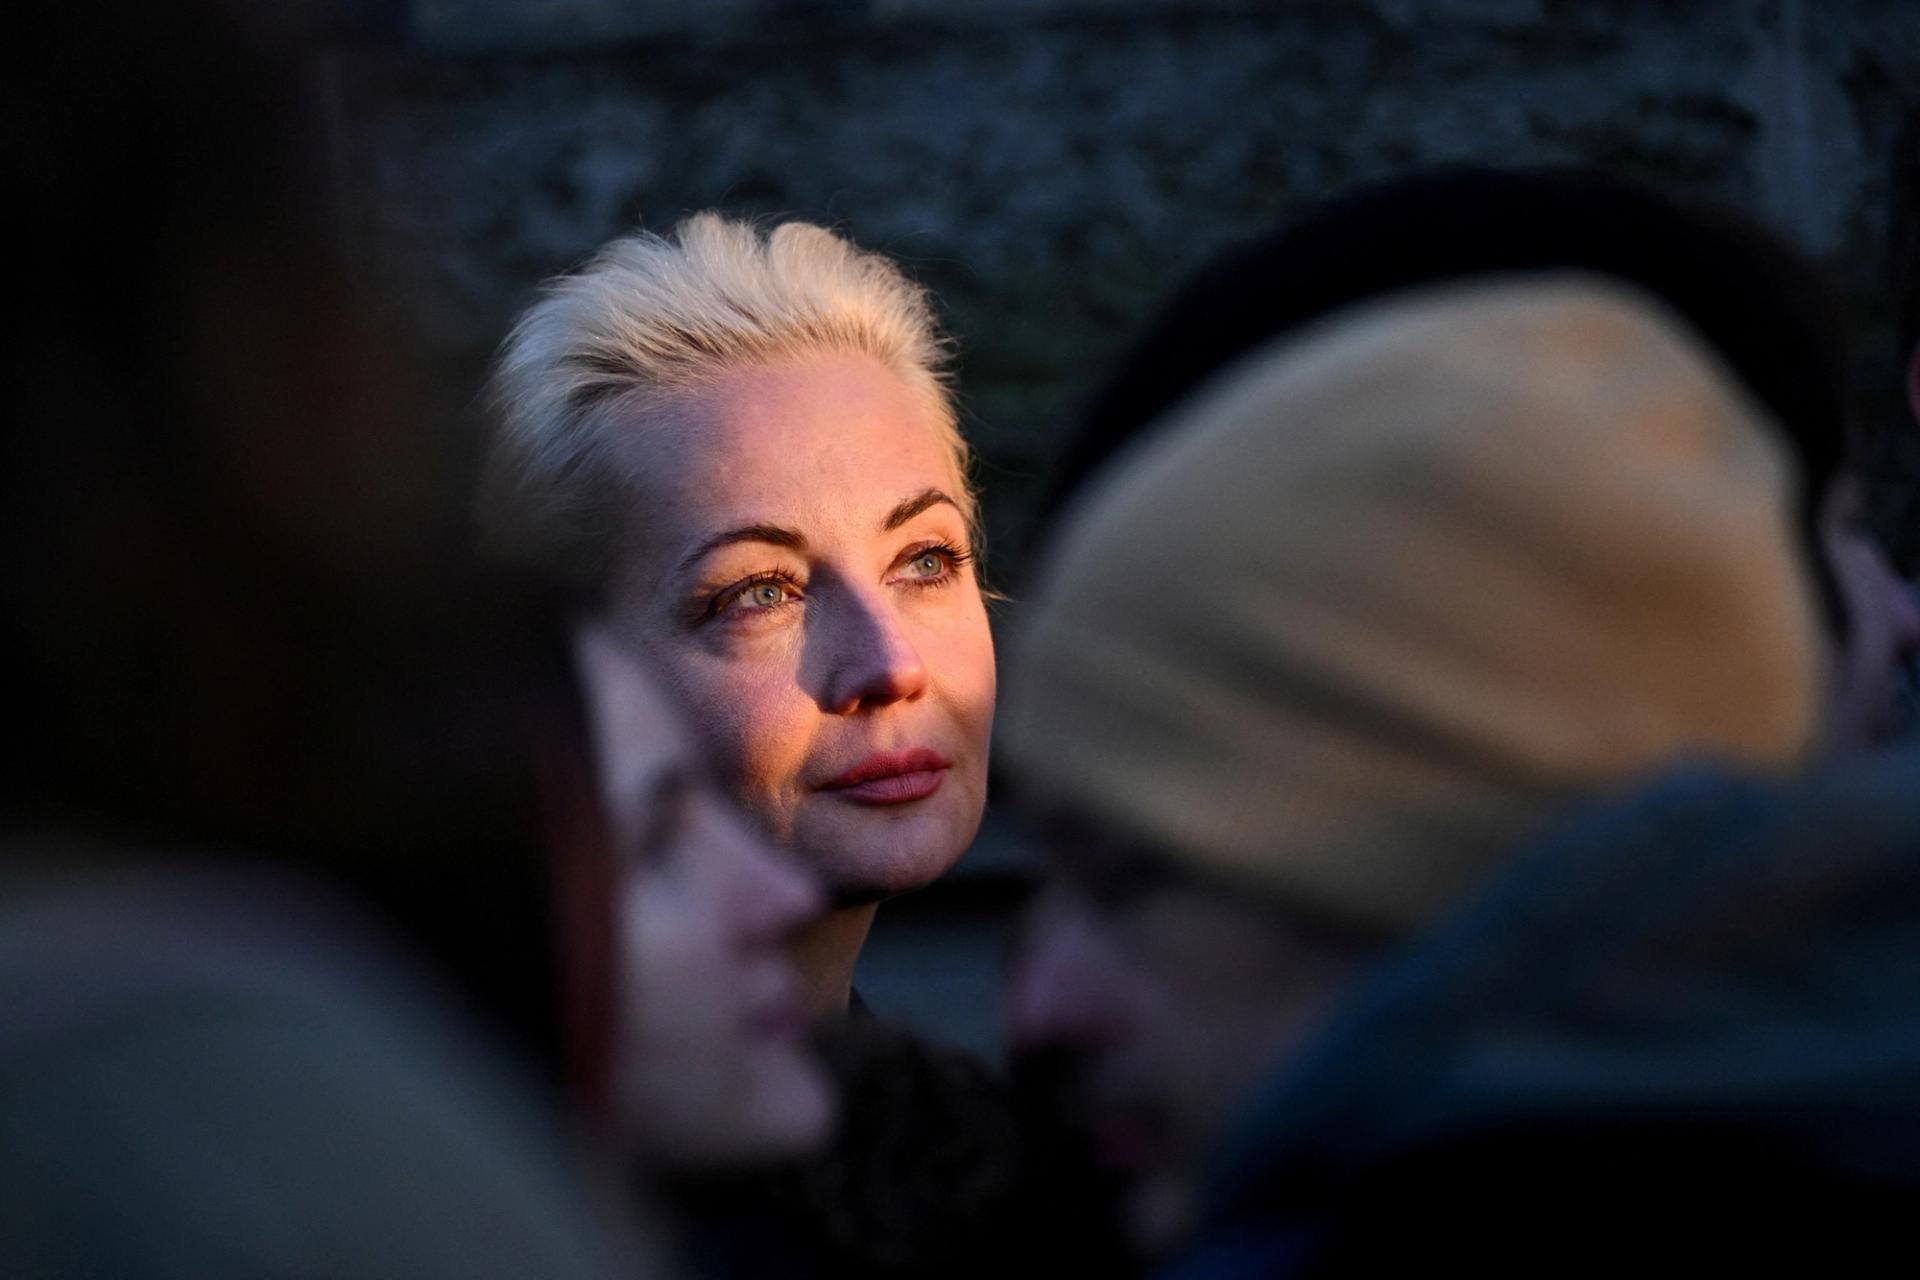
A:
{"x": 933, "y": 566}
{"x": 758, "y": 595}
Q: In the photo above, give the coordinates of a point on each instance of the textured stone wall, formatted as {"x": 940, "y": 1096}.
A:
{"x": 1050, "y": 167}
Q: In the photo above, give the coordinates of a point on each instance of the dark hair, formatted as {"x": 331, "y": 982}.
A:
{"x": 1767, "y": 310}
{"x": 939, "y": 1170}
{"x": 1903, "y": 231}
{"x": 242, "y": 623}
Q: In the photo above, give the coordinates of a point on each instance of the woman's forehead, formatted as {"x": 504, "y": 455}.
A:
{"x": 833, "y": 444}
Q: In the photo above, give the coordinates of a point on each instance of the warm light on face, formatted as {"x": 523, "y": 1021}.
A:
{"x": 802, "y": 578}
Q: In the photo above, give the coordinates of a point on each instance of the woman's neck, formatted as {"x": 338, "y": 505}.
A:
{"x": 825, "y": 953}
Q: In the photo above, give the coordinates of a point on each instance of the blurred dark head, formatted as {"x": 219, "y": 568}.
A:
{"x": 240, "y": 614}
{"x": 1904, "y": 249}
{"x": 1364, "y": 622}
{"x": 1757, "y": 303}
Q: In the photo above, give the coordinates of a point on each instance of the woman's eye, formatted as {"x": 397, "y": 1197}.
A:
{"x": 768, "y": 593}
{"x": 930, "y": 565}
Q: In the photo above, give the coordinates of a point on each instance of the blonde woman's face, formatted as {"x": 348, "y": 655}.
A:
{"x": 802, "y": 579}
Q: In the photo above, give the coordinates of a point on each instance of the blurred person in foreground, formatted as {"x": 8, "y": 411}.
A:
{"x": 1361, "y": 620}
{"x": 319, "y": 952}
{"x": 1680, "y": 1030}
{"x": 1903, "y": 243}
{"x": 266, "y": 724}
{"x": 707, "y": 1066}
{"x": 1763, "y": 309}
{"x": 1904, "y": 254}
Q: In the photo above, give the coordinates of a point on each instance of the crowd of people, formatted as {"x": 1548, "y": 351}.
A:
{"x": 1457, "y": 696}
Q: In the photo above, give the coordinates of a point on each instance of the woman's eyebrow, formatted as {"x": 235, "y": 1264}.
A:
{"x": 913, "y": 506}
{"x": 777, "y": 535}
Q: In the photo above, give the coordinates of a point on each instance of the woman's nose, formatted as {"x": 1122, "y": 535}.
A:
{"x": 874, "y": 661}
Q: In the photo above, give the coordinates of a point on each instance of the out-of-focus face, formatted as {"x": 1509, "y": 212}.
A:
{"x": 1883, "y": 620}
{"x": 1171, "y": 1003}
{"x": 802, "y": 578}
{"x": 711, "y": 1064}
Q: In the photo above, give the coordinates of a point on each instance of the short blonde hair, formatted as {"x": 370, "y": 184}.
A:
{"x": 650, "y": 317}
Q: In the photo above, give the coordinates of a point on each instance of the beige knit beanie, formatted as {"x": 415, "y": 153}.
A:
{"x": 1388, "y": 596}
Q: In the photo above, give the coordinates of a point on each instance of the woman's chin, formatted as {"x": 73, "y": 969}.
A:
{"x": 870, "y": 854}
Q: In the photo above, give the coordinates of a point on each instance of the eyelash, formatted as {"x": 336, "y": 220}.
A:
{"x": 724, "y": 600}
{"x": 957, "y": 558}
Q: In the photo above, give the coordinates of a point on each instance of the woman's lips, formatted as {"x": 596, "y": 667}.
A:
{"x": 891, "y": 777}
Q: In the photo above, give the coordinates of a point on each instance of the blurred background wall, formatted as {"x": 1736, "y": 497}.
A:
{"x": 1050, "y": 168}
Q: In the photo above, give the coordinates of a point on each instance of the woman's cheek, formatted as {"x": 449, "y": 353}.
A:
{"x": 715, "y": 701}
{"x": 973, "y": 678}
{"x": 757, "y": 739}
